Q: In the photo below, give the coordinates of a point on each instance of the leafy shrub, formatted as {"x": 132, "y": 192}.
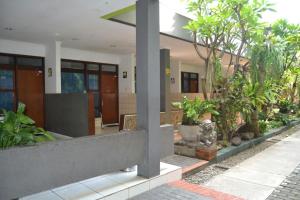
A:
{"x": 17, "y": 129}
{"x": 262, "y": 126}
{"x": 193, "y": 110}
{"x": 282, "y": 117}
{"x": 287, "y": 106}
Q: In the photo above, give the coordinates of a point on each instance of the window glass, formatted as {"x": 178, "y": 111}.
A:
{"x": 96, "y": 104}
{"x": 109, "y": 68}
{"x": 93, "y": 81}
{"x": 72, "y": 82}
{"x": 194, "y": 76}
{"x": 185, "y": 85}
{"x": 32, "y": 62}
{"x": 6, "y": 79}
{"x": 6, "y": 60}
{"x": 6, "y": 100}
{"x": 72, "y": 65}
{"x": 186, "y": 75}
{"x": 92, "y": 67}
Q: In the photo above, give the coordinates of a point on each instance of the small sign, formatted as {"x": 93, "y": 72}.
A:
{"x": 49, "y": 72}
{"x": 168, "y": 71}
{"x": 124, "y": 74}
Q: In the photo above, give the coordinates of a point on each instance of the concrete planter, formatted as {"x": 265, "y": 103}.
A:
{"x": 189, "y": 132}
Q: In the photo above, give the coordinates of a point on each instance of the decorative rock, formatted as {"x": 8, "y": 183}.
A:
{"x": 247, "y": 135}
{"x": 207, "y": 134}
{"x": 236, "y": 141}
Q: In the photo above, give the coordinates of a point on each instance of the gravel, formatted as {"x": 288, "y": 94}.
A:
{"x": 218, "y": 168}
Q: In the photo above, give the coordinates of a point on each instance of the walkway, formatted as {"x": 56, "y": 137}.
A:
{"x": 289, "y": 189}
{"x": 257, "y": 177}
{"x": 182, "y": 190}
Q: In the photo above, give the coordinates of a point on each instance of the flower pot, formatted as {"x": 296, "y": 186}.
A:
{"x": 189, "y": 133}
{"x": 206, "y": 153}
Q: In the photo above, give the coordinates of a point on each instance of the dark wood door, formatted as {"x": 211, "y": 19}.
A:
{"x": 109, "y": 95}
{"x": 30, "y": 90}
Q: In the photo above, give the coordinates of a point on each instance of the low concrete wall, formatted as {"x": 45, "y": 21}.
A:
{"x": 28, "y": 170}
{"x": 67, "y": 114}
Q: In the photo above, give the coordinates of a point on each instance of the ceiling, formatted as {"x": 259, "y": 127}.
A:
{"x": 77, "y": 24}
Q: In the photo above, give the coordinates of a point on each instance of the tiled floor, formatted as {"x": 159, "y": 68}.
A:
{"x": 186, "y": 163}
{"x": 119, "y": 185}
{"x": 181, "y": 190}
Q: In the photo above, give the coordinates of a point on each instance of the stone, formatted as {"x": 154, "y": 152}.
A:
{"x": 247, "y": 135}
{"x": 207, "y": 134}
{"x": 236, "y": 141}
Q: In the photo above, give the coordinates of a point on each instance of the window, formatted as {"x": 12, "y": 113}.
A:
{"x": 7, "y": 88}
{"x": 72, "y": 77}
{"x": 93, "y": 71}
{"x": 189, "y": 82}
{"x": 80, "y": 76}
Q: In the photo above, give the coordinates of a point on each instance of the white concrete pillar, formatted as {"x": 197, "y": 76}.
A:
{"x": 53, "y": 68}
{"x": 126, "y": 74}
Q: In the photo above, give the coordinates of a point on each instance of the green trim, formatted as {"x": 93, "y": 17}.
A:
{"x": 119, "y": 12}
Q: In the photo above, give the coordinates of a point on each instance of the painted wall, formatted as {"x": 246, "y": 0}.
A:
{"x": 91, "y": 56}
{"x": 22, "y": 48}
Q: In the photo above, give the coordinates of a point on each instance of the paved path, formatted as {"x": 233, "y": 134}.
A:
{"x": 257, "y": 177}
{"x": 182, "y": 190}
{"x": 289, "y": 189}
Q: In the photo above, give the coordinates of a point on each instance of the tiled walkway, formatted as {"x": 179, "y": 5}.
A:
{"x": 186, "y": 163}
{"x": 289, "y": 189}
{"x": 182, "y": 190}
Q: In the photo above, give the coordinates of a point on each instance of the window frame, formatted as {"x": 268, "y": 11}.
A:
{"x": 189, "y": 78}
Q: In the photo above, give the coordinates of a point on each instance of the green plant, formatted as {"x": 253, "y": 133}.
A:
{"x": 262, "y": 126}
{"x": 17, "y": 129}
{"x": 193, "y": 110}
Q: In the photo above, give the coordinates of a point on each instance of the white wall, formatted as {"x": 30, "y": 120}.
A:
{"x": 22, "y": 48}
{"x": 175, "y": 84}
{"x": 177, "y": 67}
{"x": 127, "y": 64}
{"x": 92, "y": 56}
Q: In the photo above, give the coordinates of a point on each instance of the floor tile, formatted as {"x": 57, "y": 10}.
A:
{"x": 47, "y": 195}
{"x": 77, "y": 192}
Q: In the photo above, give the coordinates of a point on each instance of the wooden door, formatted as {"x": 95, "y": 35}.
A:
{"x": 30, "y": 90}
{"x": 109, "y": 96}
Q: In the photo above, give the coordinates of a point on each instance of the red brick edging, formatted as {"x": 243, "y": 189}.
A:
{"x": 204, "y": 191}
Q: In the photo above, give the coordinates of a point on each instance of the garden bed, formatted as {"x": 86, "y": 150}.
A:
{"x": 233, "y": 150}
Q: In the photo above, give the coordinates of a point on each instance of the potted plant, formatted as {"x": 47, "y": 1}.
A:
{"x": 193, "y": 112}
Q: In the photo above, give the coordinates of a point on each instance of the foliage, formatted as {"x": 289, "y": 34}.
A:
{"x": 263, "y": 126}
{"x": 193, "y": 110}
{"x": 17, "y": 129}
{"x": 269, "y": 78}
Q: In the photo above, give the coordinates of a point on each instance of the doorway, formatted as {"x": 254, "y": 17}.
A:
{"x": 109, "y": 94}
{"x": 22, "y": 80}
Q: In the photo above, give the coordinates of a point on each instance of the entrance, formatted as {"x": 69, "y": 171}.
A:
{"x": 109, "y": 94}
{"x": 22, "y": 80}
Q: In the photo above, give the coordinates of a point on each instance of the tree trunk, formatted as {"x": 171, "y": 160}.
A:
{"x": 255, "y": 123}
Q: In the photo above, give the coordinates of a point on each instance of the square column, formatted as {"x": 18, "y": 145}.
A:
{"x": 148, "y": 83}
{"x": 53, "y": 68}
